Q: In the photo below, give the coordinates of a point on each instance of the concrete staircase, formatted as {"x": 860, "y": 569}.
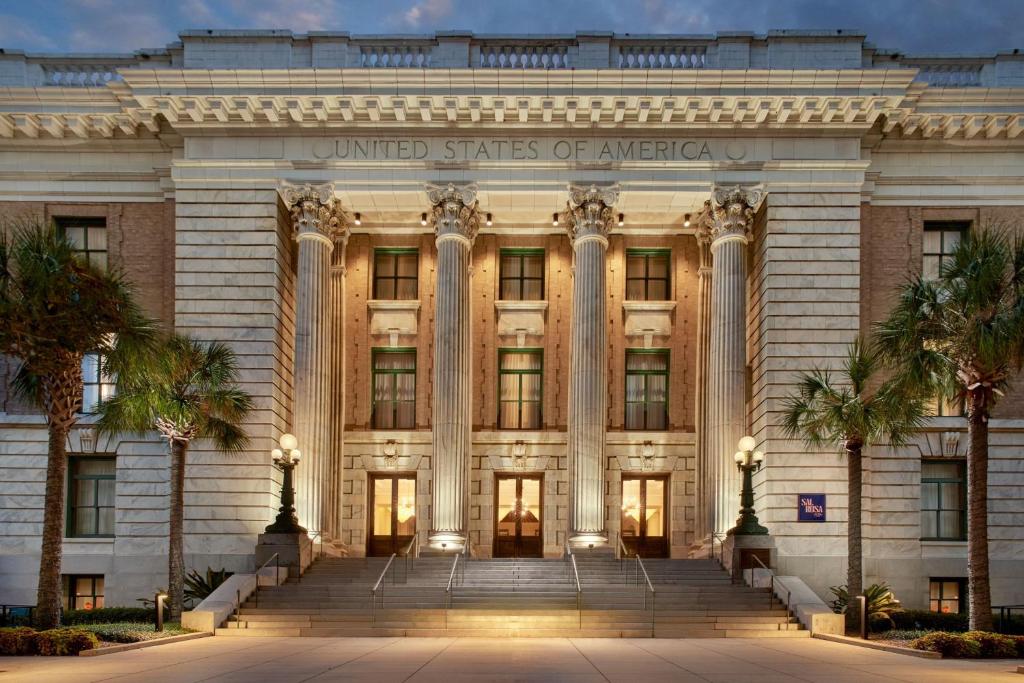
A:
{"x": 514, "y": 597}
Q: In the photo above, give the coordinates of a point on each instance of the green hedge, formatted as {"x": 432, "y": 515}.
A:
{"x": 57, "y": 642}
{"x": 108, "y": 615}
{"x": 132, "y": 633}
{"x": 972, "y": 644}
{"x": 923, "y": 620}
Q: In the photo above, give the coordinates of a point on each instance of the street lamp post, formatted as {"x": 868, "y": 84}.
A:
{"x": 286, "y": 458}
{"x": 748, "y": 461}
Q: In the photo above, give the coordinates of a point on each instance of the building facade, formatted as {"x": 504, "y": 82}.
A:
{"x": 514, "y": 291}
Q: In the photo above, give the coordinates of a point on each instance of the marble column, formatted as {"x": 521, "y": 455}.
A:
{"x": 336, "y": 470}
{"x": 588, "y": 219}
{"x": 704, "y": 474}
{"x": 317, "y": 221}
{"x": 730, "y": 222}
{"x": 456, "y": 221}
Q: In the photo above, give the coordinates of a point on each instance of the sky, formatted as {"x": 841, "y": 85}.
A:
{"x": 916, "y": 27}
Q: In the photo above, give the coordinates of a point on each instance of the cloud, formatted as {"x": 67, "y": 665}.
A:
{"x": 426, "y": 12}
{"x": 20, "y": 34}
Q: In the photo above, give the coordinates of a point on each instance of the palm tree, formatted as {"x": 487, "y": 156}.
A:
{"x": 960, "y": 336}
{"x": 852, "y": 415}
{"x": 186, "y": 391}
{"x": 56, "y": 307}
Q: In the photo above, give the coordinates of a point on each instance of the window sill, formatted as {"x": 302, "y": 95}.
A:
{"x": 90, "y": 540}
{"x": 521, "y": 319}
{"x": 934, "y": 542}
{"x": 648, "y": 318}
{"x": 394, "y": 318}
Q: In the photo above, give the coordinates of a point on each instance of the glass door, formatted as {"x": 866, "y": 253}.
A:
{"x": 392, "y": 522}
{"x": 645, "y": 516}
{"x": 518, "y": 519}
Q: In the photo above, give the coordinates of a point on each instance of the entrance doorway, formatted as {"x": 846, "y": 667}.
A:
{"x": 392, "y": 513}
{"x": 518, "y": 517}
{"x": 645, "y": 516}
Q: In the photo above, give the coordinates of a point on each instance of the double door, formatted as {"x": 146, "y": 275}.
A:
{"x": 645, "y": 516}
{"x": 392, "y": 522}
{"x": 518, "y": 516}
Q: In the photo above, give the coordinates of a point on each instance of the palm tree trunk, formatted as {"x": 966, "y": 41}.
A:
{"x": 854, "y": 552}
{"x": 176, "y": 553}
{"x": 48, "y": 595}
{"x": 978, "y": 588}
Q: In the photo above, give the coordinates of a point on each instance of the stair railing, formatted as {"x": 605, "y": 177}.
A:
{"x": 410, "y": 552}
{"x": 647, "y": 586}
{"x": 379, "y": 586}
{"x": 275, "y": 558}
{"x": 622, "y": 551}
{"x": 575, "y": 576}
{"x": 772, "y": 580}
{"x": 721, "y": 547}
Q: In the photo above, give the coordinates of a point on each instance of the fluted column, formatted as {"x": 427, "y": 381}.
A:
{"x": 317, "y": 220}
{"x": 337, "y": 422}
{"x": 705, "y": 476}
{"x": 730, "y": 221}
{"x": 589, "y": 219}
{"x": 456, "y": 221}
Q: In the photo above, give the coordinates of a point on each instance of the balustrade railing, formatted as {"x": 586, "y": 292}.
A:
{"x": 394, "y": 55}
{"x": 659, "y": 55}
{"x": 524, "y": 56}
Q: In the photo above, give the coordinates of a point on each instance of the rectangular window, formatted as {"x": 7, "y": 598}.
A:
{"x": 647, "y": 389}
{"x": 943, "y": 500}
{"x": 647, "y": 274}
{"x": 394, "y": 388}
{"x": 97, "y": 385}
{"x": 522, "y": 275}
{"x": 520, "y": 376}
{"x": 89, "y": 237}
{"x": 396, "y": 274}
{"x": 944, "y": 407}
{"x": 940, "y": 240}
{"x": 91, "y": 482}
{"x": 947, "y": 595}
{"x": 83, "y": 591}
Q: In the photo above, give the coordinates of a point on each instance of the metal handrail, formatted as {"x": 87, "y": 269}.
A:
{"x": 410, "y": 552}
{"x": 721, "y": 544}
{"x": 451, "y": 578}
{"x": 277, "y": 577}
{"x": 380, "y": 584}
{"x": 772, "y": 579}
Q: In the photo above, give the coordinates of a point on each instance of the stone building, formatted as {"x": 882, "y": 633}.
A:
{"x": 515, "y": 291}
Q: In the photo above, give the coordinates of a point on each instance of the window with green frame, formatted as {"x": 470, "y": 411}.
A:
{"x": 947, "y": 595}
{"x": 943, "y": 500}
{"x": 83, "y": 591}
{"x": 394, "y": 388}
{"x": 91, "y": 483}
{"x": 647, "y": 389}
{"x": 520, "y": 380}
{"x": 521, "y": 275}
{"x": 396, "y": 274}
{"x": 940, "y": 240}
{"x": 647, "y": 274}
{"x": 89, "y": 237}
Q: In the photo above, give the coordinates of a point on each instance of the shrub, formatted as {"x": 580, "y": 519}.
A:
{"x": 132, "y": 633}
{"x": 954, "y": 645}
{"x": 17, "y": 641}
{"x": 880, "y": 600}
{"x": 994, "y": 645}
{"x": 923, "y": 620}
{"x": 62, "y": 642}
{"x": 897, "y": 634}
{"x": 880, "y": 623}
{"x": 108, "y": 615}
{"x": 1019, "y": 640}
{"x": 199, "y": 587}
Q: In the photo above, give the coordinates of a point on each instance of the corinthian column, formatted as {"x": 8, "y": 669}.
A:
{"x": 729, "y": 221}
{"x": 456, "y": 221}
{"x": 336, "y": 470}
{"x": 704, "y": 476}
{"x": 317, "y": 221}
{"x": 589, "y": 219}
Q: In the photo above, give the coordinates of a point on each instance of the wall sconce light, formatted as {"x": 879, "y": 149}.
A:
{"x": 359, "y": 218}
{"x": 686, "y": 221}
{"x": 622, "y": 219}
{"x": 490, "y": 220}
{"x": 554, "y": 220}
{"x": 423, "y": 218}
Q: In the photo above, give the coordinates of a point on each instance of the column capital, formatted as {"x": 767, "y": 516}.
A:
{"x": 316, "y": 214}
{"x": 454, "y": 212}
{"x": 588, "y": 213}
{"x": 729, "y": 214}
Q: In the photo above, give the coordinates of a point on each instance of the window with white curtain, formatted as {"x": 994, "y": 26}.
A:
{"x": 647, "y": 389}
{"x": 520, "y": 375}
{"x": 394, "y": 388}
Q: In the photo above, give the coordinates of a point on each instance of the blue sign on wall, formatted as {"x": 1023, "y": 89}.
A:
{"x": 810, "y": 507}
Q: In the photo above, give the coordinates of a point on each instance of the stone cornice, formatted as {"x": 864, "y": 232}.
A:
{"x": 454, "y": 212}
{"x": 316, "y": 213}
{"x": 589, "y": 213}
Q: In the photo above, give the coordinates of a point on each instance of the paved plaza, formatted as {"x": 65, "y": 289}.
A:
{"x": 453, "y": 660}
